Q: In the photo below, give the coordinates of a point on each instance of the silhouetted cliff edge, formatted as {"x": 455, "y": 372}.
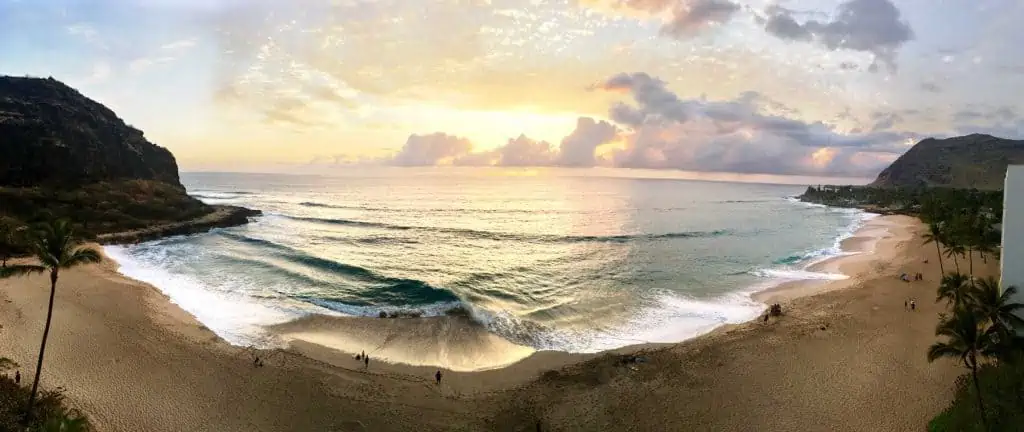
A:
{"x": 65, "y": 155}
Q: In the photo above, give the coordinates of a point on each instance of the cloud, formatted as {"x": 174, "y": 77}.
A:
{"x": 885, "y": 121}
{"x": 523, "y": 152}
{"x": 579, "y": 147}
{"x": 1003, "y": 122}
{"x": 330, "y": 52}
{"x": 660, "y": 130}
{"x": 434, "y": 149}
{"x": 681, "y": 18}
{"x": 689, "y": 17}
{"x": 88, "y": 34}
{"x": 667, "y": 132}
{"x": 872, "y": 26}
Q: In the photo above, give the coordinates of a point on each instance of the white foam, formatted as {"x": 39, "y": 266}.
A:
{"x": 671, "y": 318}
{"x": 235, "y": 317}
{"x": 792, "y": 275}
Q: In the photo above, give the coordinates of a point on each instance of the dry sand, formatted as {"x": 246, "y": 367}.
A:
{"x": 845, "y": 357}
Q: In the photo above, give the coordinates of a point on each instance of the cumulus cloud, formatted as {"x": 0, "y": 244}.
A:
{"x": 523, "y": 151}
{"x": 579, "y": 147}
{"x": 872, "y": 26}
{"x": 667, "y": 132}
{"x": 433, "y": 149}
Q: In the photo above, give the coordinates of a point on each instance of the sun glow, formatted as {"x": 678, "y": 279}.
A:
{"x": 823, "y": 156}
{"x": 492, "y": 129}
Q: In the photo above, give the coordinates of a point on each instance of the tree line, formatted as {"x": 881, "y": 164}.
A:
{"x": 980, "y": 328}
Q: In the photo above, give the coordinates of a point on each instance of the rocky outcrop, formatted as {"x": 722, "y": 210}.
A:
{"x": 972, "y": 161}
{"x": 50, "y": 134}
{"x": 220, "y": 217}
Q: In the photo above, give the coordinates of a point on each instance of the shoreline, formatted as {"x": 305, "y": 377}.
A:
{"x": 462, "y": 344}
{"x": 874, "y": 241}
{"x": 115, "y": 338}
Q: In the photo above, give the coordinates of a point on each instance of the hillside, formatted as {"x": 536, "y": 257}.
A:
{"x": 65, "y": 155}
{"x": 52, "y": 134}
{"x": 970, "y": 161}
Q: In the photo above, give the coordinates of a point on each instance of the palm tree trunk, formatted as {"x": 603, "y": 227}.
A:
{"x": 42, "y": 348}
{"x": 939, "y": 251}
{"x": 977, "y": 390}
{"x": 970, "y": 260}
{"x": 956, "y": 262}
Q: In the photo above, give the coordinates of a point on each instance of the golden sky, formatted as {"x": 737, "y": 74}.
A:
{"x": 792, "y": 87}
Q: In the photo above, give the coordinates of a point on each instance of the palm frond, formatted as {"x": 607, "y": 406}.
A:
{"x": 81, "y": 256}
{"x": 942, "y": 349}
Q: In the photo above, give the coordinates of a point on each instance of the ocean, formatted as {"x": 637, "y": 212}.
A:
{"x": 551, "y": 260}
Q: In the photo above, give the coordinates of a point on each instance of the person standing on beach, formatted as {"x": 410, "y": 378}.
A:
{"x": 438, "y": 377}
{"x": 913, "y": 306}
{"x": 366, "y": 361}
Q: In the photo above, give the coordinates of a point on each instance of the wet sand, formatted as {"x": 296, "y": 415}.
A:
{"x": 845, "y": 356}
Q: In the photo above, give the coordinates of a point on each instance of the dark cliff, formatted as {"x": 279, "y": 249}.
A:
{"x": 970, "y": 161}
{"x": 63, "y": 155}
{"x": 50, "y": 134}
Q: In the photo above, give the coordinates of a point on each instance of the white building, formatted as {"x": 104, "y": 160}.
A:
{"x": 1011, "y": 265}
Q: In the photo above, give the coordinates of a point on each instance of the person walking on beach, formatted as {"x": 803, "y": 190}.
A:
{"x": 366, "y": 361}
{"x": 913, "y": 306}
{"x": 437, "y": 376}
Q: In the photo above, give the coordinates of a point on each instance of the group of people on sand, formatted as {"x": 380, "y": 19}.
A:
{"x": 917, "y": 277}
{"x": 365, "y": 358}
{"x": 366, "y": 364}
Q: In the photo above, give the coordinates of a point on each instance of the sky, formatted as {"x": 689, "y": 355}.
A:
{"x": 798, "y": 87}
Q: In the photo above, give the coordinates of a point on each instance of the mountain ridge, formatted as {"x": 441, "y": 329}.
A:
{"x": 974, "y": 161}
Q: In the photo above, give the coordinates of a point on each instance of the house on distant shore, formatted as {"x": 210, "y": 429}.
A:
{"x": 1010, "y": 266}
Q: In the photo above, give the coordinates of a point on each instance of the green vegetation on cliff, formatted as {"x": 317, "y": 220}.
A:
{"x": 975, "y": 161}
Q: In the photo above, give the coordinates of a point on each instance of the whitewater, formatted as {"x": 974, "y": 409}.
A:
{"x": 570, "y": 263}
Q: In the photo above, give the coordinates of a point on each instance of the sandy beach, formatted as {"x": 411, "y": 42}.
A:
{"x": 846, "y": 356}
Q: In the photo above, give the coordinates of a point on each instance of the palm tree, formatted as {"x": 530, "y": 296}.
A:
{"x": 935, "y": 235}
{"x": 967, "y": 341}
{"x": 955, "y": 289}
{"x": 54, "y": 246}
{"x": 954, "y": 250}
{"x": 997, "y": 306}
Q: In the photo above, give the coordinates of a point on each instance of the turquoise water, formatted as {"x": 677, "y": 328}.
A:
{"x": 554, "y": 261}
